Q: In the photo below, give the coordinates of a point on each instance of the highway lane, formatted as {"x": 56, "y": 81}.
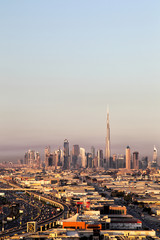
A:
{"x": 64, "y": 210}
{"x": 24, "y": 228}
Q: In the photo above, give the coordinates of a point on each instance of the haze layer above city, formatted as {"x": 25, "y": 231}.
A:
{"x": 63, "y": 62}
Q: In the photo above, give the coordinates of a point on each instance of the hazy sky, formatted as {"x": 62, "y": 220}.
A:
{"x": 62, "y": 62}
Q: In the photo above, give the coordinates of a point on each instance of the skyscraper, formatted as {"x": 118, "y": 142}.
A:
{"x": 108, "y": 152}
{"x": 32, "y": 159}
{"x": 89, "y": 160}
{"x": 100, "y": 158}
{"x": 95, "y": 162}
{"x": 47, "y": 154}
{"x": 144, "y": 162}
{"x": 93, "y": 151}
{"x": 75, "y": 154}
{"x": 66, "y": 155}
{"x": 50, "y": 160}
{"x": 154, "y": 162}
{"x": 155, "y": 154}
{"x": 37, "y": 159}
{"x": 128, "y": 158}
{"x": 75, "y": 150}
{"x": 58, "y": 157}
{"x": 120, "y": 161}
{"x": 83, "y": 157}
{"x": 136, "y": 160}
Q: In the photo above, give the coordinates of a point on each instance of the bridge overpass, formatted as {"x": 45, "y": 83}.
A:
{"x": 44, "y": 224}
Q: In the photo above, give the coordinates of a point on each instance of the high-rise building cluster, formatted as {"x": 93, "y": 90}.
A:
{"x": 64, "y": 158}
{"x": 53, "y": 159}
{"x": 127, "y": 161}
{"x": 32, "y": 159}
{"x": 78, "y": 157}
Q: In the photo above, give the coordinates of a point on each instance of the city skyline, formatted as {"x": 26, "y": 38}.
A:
{"x": 63, "y": 62}
{"x": 15, "y": 154}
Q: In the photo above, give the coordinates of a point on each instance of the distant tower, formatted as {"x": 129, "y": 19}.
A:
{"x": 26, "y": 158}
{"x": 128, "y": 158}
{"x": 37, "y": 159}
{"x": 95, "y": 162}
{"x": 83, "y": 157}
{"x": 50, "y": 160}
{"x": 154, "y": 162}
{"x": 66, "y": 155}
{"x": 155, "y": 154}
{"x": 136, "y": 160}
{"x": 75, "y": 150}
{"x": 100, "y": 158}
{"x": 47, "y": 154}
{"x": 108, "y": 152}
{"x": 31, "y": 157}
{"x": 93, "y": 151}
{"x": 75, "y": 154}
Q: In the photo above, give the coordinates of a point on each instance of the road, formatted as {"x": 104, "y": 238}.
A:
{"x": 46, "y": 215}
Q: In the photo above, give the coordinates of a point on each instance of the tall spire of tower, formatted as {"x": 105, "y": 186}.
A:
{"x": 108, "y": 152}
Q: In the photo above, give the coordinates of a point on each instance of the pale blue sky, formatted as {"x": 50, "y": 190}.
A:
{"x": 62, "y": 62}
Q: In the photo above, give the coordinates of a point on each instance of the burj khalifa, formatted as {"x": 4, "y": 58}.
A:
{"x": 108, "y": 151}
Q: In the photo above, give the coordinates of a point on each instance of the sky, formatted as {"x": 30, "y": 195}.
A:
{"x": 62, "y": 62}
